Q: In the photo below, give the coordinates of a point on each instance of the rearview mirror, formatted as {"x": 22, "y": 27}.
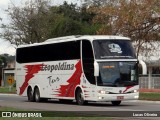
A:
{"x": 144, "y": 67}
{"x": 96, "y": 69}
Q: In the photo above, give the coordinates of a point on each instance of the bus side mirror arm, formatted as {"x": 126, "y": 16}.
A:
{"x": 96, "y": 69}
{"x": 144, "y": 67}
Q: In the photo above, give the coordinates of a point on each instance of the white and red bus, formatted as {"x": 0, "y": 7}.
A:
{"x": 81, "y": 68}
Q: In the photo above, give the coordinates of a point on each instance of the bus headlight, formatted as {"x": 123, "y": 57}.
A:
{"x": 103, "y": 92}
{"x": 136, "y": 97}
{"x": 135, "y": 91}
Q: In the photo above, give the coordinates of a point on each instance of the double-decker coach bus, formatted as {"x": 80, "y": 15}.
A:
{"x": 81, "y": 68}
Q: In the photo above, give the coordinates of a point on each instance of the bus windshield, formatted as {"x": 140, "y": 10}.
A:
{"x": 118, "y": 74}
{"x": 113, "y": 49}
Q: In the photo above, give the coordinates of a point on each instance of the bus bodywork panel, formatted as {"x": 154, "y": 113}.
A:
{"x": 54, "y": 79}
{"x": 60, "y": 79}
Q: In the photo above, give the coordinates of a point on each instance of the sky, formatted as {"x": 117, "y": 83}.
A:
{"x": 5, "y": 46}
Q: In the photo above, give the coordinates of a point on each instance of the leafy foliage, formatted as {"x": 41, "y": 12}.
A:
{"x": 3, "y": 61}
{"x": 139, "y": 20}
{"x": 38, "y": 21}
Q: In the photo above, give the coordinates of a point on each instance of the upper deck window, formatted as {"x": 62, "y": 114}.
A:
{"x": 113, "y": 49}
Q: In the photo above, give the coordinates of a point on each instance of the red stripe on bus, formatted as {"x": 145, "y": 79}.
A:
{"x": 73, "y": 81}
{"x": 128, "y": 87}
{"x": 31, "y": 70}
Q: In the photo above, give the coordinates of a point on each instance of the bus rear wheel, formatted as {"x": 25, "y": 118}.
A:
{"x": 116, "y": 103}
{"x": 30, "y": 95}
{"x": 80, "y": 98}
{"x": 37, "y": 95}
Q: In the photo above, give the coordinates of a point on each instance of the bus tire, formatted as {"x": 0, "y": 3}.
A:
{"x": 37, "y": 95}
{"x": 79, "y": 98}
{"x": 30, "y": 95}
{"x": 116, "y": 103}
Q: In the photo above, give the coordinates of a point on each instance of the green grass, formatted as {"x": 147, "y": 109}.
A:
{"x": 7, "y": 90}
{"x": 149, "y": 96}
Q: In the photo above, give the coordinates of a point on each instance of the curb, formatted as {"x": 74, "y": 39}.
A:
{"x": 8, "y": 94}
{"x": 147, "y": 101}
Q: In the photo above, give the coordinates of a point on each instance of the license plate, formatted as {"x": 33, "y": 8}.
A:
{"x": 120, "y": 97}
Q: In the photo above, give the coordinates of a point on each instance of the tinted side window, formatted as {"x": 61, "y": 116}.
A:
{"x": 49, "y": 52}
{"x": 88, "y": 61}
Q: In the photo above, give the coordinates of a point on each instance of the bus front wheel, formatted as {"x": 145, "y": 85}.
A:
{"x": 116, "y": 103}
{"x": 80, "y": 98}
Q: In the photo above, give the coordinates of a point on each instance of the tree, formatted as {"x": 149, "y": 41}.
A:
{"x": 72, "y": 20}
{"x": 3, "y": 61}
{"x": 67, "y": 21}
{"x": 99, "y": 3}
{"x": 3, "y": 64}
{"x": 139, "y": 20}
{"x": 37, "y": 21}
{"x": 28, "y": 24}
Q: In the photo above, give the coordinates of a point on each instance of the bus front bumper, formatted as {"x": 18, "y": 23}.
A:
{"x": 117, "y": 97}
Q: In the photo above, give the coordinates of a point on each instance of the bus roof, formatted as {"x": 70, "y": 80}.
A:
{"x": 89, "y": 37}
{"x": 75, "y": 38}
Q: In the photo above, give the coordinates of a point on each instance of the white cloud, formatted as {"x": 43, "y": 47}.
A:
{"x": 3, "y": 3}
{"x": 3, "y": 44}
{"x": 6, "y": 47}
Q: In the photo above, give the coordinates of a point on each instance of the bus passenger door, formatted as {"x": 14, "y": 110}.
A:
{"x": 88, "y": 69}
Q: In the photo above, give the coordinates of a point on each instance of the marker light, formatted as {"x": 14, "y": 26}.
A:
{"x": 100, "y": 98}
{"x": 103, "y": 92}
